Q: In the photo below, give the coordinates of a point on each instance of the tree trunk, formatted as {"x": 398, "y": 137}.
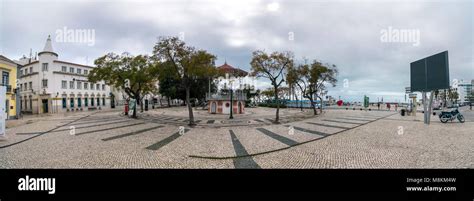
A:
{"x": 141, "y": 105}
{"x": 134, "y": 115}
{"x": 190, "y": 109}
{"x": 315, "y": 112}
{"x": 277, "y": 117}
{"x": 169, "y": 102}
{"x": 137, "y": 99}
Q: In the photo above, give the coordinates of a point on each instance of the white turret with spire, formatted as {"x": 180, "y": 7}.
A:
{"x": 49, "y": 85}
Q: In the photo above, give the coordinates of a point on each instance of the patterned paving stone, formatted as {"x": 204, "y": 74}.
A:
{"x": 275, "y": 136}
{"x": 344, "y": 122}
{"x": 364, "y": 144}
{"x": 241, "y": 162}
{"x": 328, "y": 125}
{"x": 131, "y": 133}
{"x": 166, "y": 141}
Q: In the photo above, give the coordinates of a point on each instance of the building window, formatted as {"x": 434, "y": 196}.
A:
{"x": 98, "y": 86}
{"x": 45, "y": 83}
{"x": 92, "y": 101}
{"x": 5, "y": 77}
{"x": 21, "y": 72}
{"x": 64, "y": 84}
{"x": 86, "y": 72}
{"x": 92, "y": 86}
{"x": 86, "y": 102}
{"x": 64, "y": 69}
{"x": 79, "y": 85}
{"x": 45, "y": 67}
{"x": 86, "y": 85}
{"x": 71, "y": 84}
{"x": 103, "y": 101}
{"x": 72, "y": 102}
{"x": 79, "y": 102}
{"x": 31, "y": 85}
{"x": 71, "y": 69}
{"x": 31, "y": 69}
{"x": 79, "y": 71}
{"x": 64, "y": 103}
{"x": 103, "y": 87}
{"x": 26, "y": 71}
{"x": 98, "y": 101}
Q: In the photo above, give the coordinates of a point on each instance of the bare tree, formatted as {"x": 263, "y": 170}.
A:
{"x": 272, "y": 66}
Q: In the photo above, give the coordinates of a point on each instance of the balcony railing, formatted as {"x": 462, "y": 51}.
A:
{"x": 9, "y": 88}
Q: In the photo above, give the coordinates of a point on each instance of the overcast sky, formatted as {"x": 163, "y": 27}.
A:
{"x": 345, "y": 33}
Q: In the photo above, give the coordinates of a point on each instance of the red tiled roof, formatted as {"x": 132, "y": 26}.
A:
{"x": 226, "y": 68}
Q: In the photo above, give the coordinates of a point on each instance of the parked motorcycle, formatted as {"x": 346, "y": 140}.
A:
{"x": 450, "y": 116}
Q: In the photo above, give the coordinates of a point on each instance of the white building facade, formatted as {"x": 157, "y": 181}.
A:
{"x": 464, "y": 90}
{"x": 49, "y": 85}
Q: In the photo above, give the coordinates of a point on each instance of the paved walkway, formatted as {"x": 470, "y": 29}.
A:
{"x": 252, "y": 117}
{"x": 335, "y": 139}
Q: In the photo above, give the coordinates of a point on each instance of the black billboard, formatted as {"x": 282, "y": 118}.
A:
{"x": 430, "y": 73}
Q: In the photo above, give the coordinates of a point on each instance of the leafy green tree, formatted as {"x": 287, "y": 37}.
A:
{"x": 327, "y": 75}
{"x": 132, "y": 74}
{"x": 268, "y": 93}
{"x": 272, "y": 66}
{"x": 251, "y": 93}
{"x": 301, "y": 76}
{"x": 311, "y": 80}
{"x": 453, "y": 95}
{"x": 292, "y": 77}
{"x": 169, "y": 87}
{"x": 185, "y": 64}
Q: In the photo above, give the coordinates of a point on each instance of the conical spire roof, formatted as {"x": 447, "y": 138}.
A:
{"x": 48, "y": 47}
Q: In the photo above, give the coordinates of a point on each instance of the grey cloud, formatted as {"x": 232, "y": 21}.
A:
{"x": 346, "y": 33}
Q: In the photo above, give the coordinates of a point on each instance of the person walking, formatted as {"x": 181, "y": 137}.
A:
{"x": 388, "y": 106}
{"x": 396, "y": 106}
{"x": 378, "y": 105}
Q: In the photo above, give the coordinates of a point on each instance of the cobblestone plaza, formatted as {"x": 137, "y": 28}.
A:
{"x": 334, "y": 139}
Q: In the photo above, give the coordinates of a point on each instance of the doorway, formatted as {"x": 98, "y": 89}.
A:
{"x": 112, "y": 101}
{"x": 213, "y": 107}
{"x": 45, "y": 105}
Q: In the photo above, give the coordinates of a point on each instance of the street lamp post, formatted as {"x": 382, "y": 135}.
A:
{"x": 231, "y": 104}
{"x": 231, "y": 81}
{"x": 56, "y": 101}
